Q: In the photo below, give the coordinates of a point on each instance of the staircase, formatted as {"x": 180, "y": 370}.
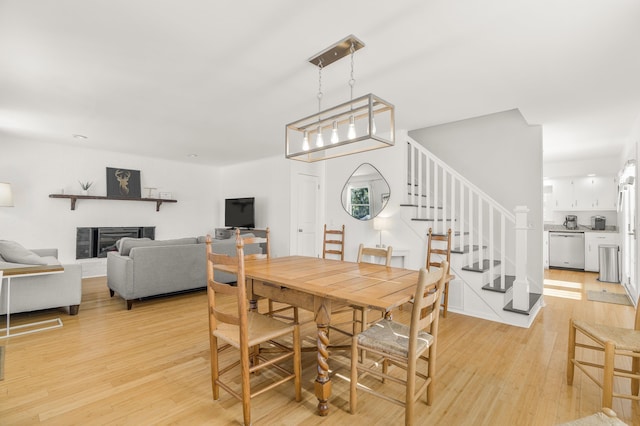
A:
{"x": 489, "y": 242}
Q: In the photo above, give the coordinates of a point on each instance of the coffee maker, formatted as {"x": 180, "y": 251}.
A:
{"x": 571, "y": 221}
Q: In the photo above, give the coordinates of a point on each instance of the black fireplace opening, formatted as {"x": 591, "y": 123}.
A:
{"x": 97, "y": 242}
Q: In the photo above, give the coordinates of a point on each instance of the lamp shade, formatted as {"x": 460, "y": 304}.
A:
{"x": 379, "y": 223}
{"x": 6, "y": 196}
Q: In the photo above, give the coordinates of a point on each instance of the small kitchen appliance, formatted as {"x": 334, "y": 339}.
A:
{"x": 598, "y": 223}
{"x": 571, "y": 221}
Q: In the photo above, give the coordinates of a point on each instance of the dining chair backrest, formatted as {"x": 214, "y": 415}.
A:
{"x": 333, "y": 242}
{"x": 376, "y": 253}
{"x": 426, "y": 306}
{"x": 444, "y": 252}
{"x": 263, "y": 241}
{"x": 230, "y": 316}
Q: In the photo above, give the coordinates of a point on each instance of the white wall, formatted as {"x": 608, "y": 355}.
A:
{"x": 389, "y": 162}
{"x": 603, "y": 166}
{"x": 268, "y": 181}
{"x": 37, "y": 169}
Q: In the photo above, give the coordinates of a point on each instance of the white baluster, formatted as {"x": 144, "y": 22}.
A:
{"x": 521, "y": 284}
{"x": 491, "y": 247}
{"x": 471, "y": 230}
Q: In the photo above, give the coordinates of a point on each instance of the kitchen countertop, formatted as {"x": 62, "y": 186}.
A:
{"x": 581, "y": 228}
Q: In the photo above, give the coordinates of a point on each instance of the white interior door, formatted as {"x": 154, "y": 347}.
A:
{"x": 307, "y": 215}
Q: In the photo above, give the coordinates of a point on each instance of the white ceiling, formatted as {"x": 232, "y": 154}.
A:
{"x": 222, "y": 78}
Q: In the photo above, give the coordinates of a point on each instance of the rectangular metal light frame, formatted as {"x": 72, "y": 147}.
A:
{"x": 364, "y": 110}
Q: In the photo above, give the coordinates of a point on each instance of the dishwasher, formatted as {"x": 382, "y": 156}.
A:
{"x": 566, "y": 250}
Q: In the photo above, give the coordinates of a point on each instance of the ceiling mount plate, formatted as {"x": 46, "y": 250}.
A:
{"x": 336, "y": 51}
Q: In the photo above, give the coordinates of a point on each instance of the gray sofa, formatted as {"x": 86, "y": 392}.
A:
{"x": 43, "y": 291}
{"x": 143, "y": 268}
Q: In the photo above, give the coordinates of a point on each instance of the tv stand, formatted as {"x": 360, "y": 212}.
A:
{"x": 226, "y": 233}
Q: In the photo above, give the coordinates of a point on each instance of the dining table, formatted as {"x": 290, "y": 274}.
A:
{"x": 324, "y": 285}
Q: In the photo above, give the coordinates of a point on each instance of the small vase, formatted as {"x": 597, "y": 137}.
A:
{"x": 85, "y": 192}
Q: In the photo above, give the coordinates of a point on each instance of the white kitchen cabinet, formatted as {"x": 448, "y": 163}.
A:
{"x": 605, "y": 192}
{"x": 562, "y": 194}
{"x": 583, "y": 193}
{"x": 591, "y": 242}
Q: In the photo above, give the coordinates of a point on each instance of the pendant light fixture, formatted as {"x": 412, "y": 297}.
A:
{"x": 361, "y": 124}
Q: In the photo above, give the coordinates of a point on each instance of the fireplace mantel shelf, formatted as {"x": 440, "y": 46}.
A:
{"x": 74, "y": 198}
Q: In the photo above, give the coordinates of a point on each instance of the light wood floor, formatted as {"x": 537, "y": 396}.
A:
{"x": 150, "y": 365}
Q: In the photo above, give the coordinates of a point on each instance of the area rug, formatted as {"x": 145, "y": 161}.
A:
{"x": 597, "y": 419}
{"x": 607, "y": 297}
{"x": 1, "y": 362}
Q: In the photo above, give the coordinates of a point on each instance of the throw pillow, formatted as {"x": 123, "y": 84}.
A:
{"x": 121, "y": 241}
{"x": 14, "y": 252}
{"x": 51, "y": 260}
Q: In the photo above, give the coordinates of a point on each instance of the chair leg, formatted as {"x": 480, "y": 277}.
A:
{"x": 635, "y": 383}
{"x": 445, "y": 294}
{"x": 410, "y": 392}
{"x": 255, "y": 351}
{"x": 353, "y": 397}
{"x": 607, "y": 375}
{"x": 354, "y": 323}
{"x": 363, "y": 327}
{"x": 385, "y": 368}
{"x": 213, "y": 347}
{"x": 431, "y": 374}
{"x": 246, "y": 388}
{"x": 571, "y": 352}
{"x": 297, "y": 363}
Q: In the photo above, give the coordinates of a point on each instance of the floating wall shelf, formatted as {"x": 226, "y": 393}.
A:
{"x": 75, "y": 198}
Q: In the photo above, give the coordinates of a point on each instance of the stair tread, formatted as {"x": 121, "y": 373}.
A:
{"x": 432, "y": 220}
{"x": 422, "y": 206}
{"x": 476, "y": 266}
{"x": 465, "y": 249}
{"x": 533, "y": 299}
{"x": 495, "y": 285}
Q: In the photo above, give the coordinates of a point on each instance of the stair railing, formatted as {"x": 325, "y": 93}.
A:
{"x": 447, "y": 199}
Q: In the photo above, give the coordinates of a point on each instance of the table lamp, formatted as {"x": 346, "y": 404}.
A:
{"x": 6, "y": 196}
{"x": 380, "y": 224}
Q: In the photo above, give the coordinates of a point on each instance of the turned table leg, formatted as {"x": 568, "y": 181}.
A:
{"x": 323, "y": 381}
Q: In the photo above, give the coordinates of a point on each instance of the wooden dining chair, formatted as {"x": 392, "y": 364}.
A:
{"x": 440, "y": 244}
{"x": 616, "y": 343}
{"x": 272, "y": 309}
{"x": 246, "y": 331}
{"x": 390, "y": 343}
{"x": 360, "y": 314}
{"x": 333, "y": 242}
{"x": 375, "y": 255}
{"x": 371, "y": 255}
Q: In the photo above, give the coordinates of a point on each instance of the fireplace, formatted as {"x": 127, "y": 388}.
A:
{"x": 97, "y": 242}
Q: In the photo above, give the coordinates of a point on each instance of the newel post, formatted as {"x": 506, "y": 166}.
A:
{"x": 521, "y": 284}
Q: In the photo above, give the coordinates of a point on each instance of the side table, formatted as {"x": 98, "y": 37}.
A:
{"x": 28, "y": 271}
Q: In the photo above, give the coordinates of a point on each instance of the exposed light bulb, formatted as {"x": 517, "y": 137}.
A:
{"x": 373, "y": 126}
{"x": 335, "y": 138}
{"x": 305, "y": 141}
{"x": 351, "y": 133}
{"x": 319, "y": 138}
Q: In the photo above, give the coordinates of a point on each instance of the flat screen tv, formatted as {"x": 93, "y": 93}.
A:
{"x": 239, "y": 213}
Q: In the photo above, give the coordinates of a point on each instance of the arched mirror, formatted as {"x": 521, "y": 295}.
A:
{"x": 366, "y": 193}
